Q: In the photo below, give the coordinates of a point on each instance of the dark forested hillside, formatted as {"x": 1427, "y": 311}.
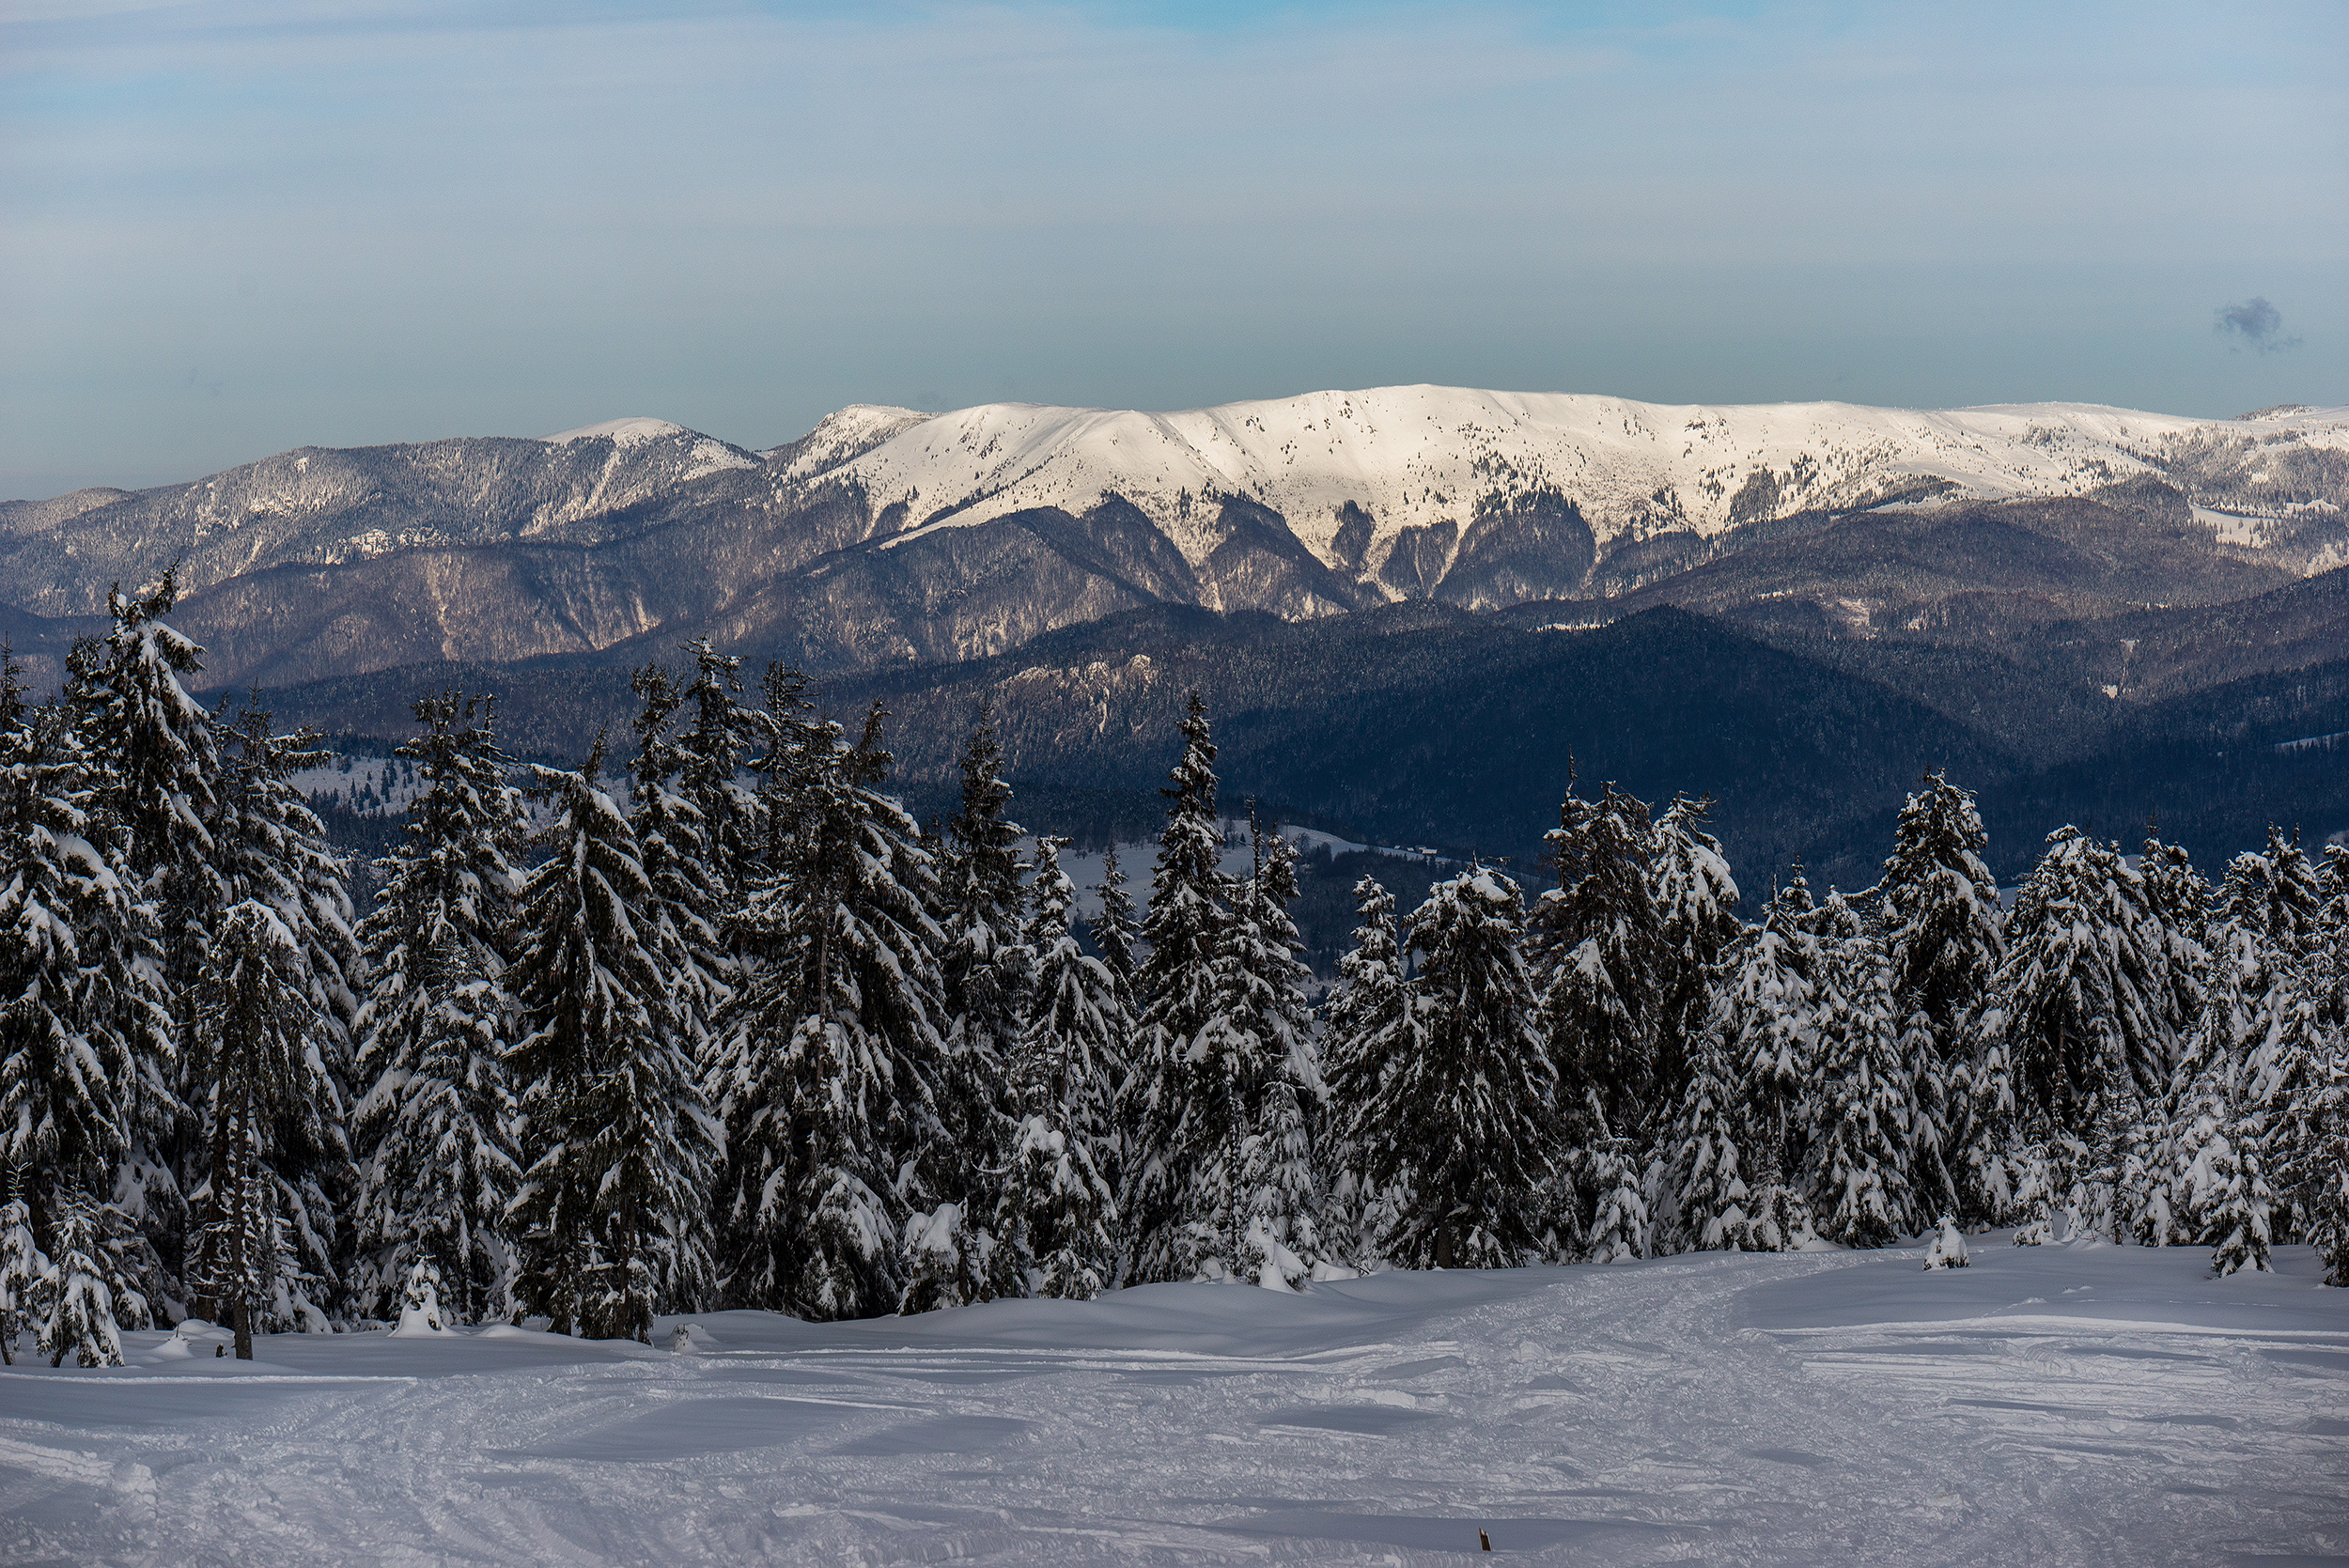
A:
{"x": 1421, "y": 723}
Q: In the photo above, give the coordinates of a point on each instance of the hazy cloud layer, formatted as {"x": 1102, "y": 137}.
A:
{"x": 234, "y": 228}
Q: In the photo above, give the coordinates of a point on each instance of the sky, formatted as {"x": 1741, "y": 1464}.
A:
{"x": 230, "y": 230}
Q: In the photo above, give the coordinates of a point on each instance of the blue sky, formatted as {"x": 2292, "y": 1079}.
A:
{"x": 234, "y": 228}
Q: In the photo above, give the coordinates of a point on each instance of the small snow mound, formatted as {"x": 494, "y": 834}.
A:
{"x": 621, "y": 432}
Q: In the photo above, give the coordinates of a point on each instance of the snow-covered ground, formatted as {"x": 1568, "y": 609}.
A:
{"x": 2045, "y": 1405}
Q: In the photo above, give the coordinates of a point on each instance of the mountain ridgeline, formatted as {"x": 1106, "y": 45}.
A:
{"x": 1408, "y": 607}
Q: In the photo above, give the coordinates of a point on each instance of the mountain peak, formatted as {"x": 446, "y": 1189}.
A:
{"x": 621, "y": 432}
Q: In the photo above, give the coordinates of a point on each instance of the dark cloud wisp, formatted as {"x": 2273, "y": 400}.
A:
{"x": 2255, "y": 322}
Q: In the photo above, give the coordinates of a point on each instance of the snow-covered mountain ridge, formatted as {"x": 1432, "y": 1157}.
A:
{"x": 886, "y": 535}
{"x": 1443, "y": 458}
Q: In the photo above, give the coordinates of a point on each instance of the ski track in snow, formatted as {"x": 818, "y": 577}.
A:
{"x": 2046, "y": 1406}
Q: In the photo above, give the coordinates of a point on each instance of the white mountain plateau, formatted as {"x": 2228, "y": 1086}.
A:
{"x": 888, "y": 536}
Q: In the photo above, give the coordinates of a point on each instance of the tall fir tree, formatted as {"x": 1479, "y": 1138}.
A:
{"x": 1763, "y": 1022}
{"x": 155, "y": 756}
{"x": 1862, "y": 1115}
{"x": 1596, "y": 941}
{"x": 1364, "y": 1023}
{"x": 2290, "y": 1069}
{"x": 2210, "y": 1080}
{"x": 2236, "y": 1205}
{"x": 620, "y": 1147}
{"x": 1944, "y": 929}
{"x": 435, "y": 1131}
{"x": 24, "y": 1276}
{"x": 87, "y": 1047}
{"x": 711, "y": 754}
{"x": 987, "y": 971}
{"x": 265, "y": 1092}
{"x": 272, "y": 849}
{"x": 2181, "y": 902}
{"x": 681, "y": 919}
{"x": 1172, "y": 1110}
{"x": 2277, "y": 893}
{"x": 1113, "y": 930}
{"x": 1064, "y": 1088}
{"x": 2077, "y": 1001}
{"x": 1712, "y": 1207}
{"x": 823, "y": 1072}
{"x": 1934, "y": 1154}
{"x": 1460, "y": 1114}
{"x": 1262, "y": 1040}
{"x": 1696, "y": 908}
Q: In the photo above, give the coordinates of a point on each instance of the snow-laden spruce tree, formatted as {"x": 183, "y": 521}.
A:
{"x": 1174, "y": 1113}
{"x": 1711, "y": 1204}
{"x": 1944, "y": 930}
{"x": 2181, "y": 902}
{"x": 2077, "y": 1001}
{"x": 823, "y": 1072}
{"x": 264, "y": 1091}
{"x": 2112, "y": 1197}
{"x": 711, "y": 751}
{"x": 1252, "y": 1204}
{"x": 87, "y": 1292}
{"x": 1932, "y": 1183}
{"x": 24, "y": 1276}
{"x": 1367, "y": 1020}
{"x": 85, "y": 1045}
{"x": 2278, "y": 894}
{"x": 1059, "y": 1209}
{"x": 1115, "y": 933}
{"x": 2236, "y": 1205}
{"x": 1619, "y": 1223}
{"x": 2213, "y": 1077}
{"x": 1762, "y": 1026}
{"x": 1596, "y": 941}
{"x": 620, "y": 1148}
{"x": 158, "y": 754}
{"x": 679, "y": 921}
{"x": 2332, "y": 926}
{"x": 985, "y": 971}
{"x": 435, "y": 1130}
{"x": 2326, "y": 1213}
{"x": 2293, "y": 1075}
{"x": 1696, "y": 907}
{"x": 155, "y": 760}
{"x": 1282, "y": 1172}
{"x": 272, "y": 849}
{"x": 795, "y": 747}
{"x": 1861, "y": 1115}
{"x": 1113, "y": 930}
{"x": 1461, "y": 1122}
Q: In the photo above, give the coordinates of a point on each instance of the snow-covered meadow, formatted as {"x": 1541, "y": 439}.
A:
{"x": 2047, "y": 1404}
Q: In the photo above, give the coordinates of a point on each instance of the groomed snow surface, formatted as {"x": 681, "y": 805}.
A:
{"x": 2048, "y": 1404}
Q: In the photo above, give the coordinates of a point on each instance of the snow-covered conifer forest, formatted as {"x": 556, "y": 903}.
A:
{"x": 708, "y": 1027}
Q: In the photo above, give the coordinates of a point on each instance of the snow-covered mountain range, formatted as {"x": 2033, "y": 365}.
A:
{"x": 886, "y": 535}
{"x": 1442, "y": 458}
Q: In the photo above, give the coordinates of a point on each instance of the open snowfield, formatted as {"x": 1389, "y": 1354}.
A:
{"x": 2045, "y": 1406}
